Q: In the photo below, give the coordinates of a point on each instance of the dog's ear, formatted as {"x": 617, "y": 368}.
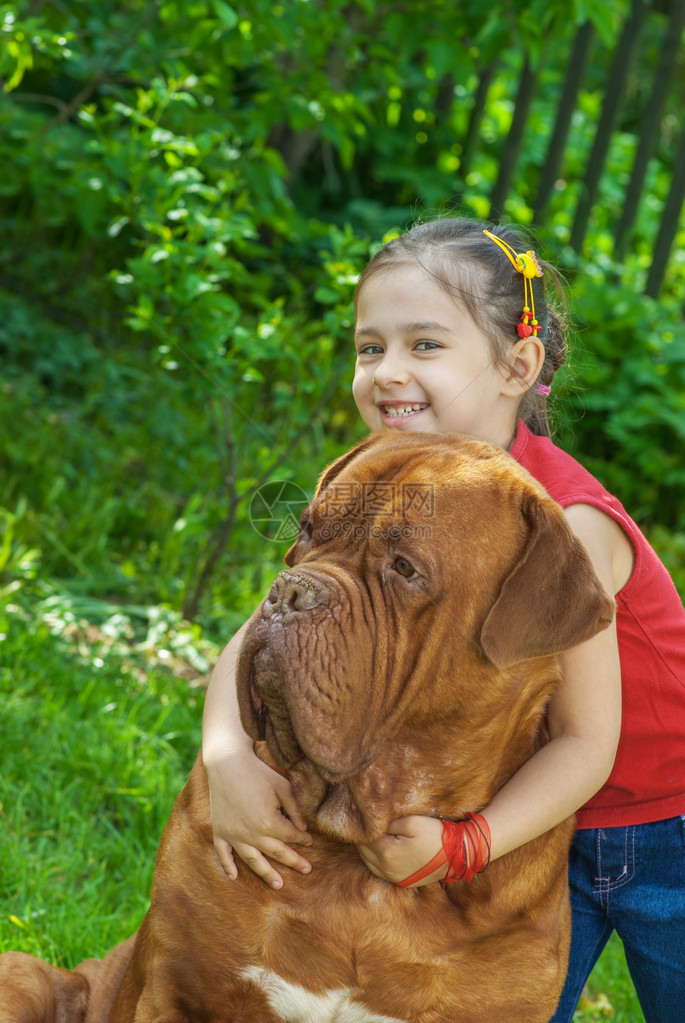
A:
{"x": 552, "y": 600}
{"x": 331, "y": 472}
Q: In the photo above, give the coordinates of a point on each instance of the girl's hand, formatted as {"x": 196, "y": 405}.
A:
{"x": 248, "y": 804}
{"x": 410, "y": 843}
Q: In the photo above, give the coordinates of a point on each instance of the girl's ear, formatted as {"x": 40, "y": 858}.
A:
{"x": 524, "y": 364}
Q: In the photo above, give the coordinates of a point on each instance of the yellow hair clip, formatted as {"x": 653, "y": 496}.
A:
{"x": 527, "y": 264}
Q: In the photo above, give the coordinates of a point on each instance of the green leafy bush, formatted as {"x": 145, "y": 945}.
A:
{"x": 195, "y": 189}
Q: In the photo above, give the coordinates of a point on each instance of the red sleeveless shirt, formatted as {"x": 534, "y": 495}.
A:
{"x": 647, "y": 782}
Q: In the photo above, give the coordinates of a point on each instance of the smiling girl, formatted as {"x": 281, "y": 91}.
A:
{"x": 454, "y": 334}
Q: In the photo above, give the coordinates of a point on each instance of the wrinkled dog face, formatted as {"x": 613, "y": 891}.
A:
{"x": 369, "y": 651}
{"x": 386, "y": 552}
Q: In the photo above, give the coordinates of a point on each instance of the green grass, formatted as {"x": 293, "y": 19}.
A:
{"x": 93, "y": 755}
{"x": 95, "y": 747}
{"x": 610, "y": 993}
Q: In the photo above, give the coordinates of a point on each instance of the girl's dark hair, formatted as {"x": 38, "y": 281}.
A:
{"x": 475, "y": 272}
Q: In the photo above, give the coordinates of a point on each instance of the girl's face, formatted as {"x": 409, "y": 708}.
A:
{"x": 423, "y": 364}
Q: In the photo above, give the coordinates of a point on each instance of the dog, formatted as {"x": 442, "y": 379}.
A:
{"x": 400, "y": 664}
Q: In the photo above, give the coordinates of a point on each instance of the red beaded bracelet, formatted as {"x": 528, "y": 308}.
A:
{"x": 465, "y": 848}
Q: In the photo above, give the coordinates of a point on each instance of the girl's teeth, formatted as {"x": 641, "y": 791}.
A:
{"x": 403, "y": 410}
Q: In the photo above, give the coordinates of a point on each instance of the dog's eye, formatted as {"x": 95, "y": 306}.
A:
{"x": 306, "y": 527}
{"x": 404, "y": 567}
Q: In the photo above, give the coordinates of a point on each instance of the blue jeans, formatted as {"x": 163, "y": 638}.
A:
{"x": 631, "y": 880}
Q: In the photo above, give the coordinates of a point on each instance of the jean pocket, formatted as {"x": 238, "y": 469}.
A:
{"x": 615, "y": 861}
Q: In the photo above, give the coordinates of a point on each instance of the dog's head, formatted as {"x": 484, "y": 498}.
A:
{"x": 401, "y": 663}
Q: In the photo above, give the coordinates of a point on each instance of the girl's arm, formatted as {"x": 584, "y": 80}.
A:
{"x": 584, "y": 720}
{"x": 253, "y": 809}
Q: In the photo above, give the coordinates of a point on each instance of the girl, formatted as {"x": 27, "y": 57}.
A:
{"x": 443, "y": 346}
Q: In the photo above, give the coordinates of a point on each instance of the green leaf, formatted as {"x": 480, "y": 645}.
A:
{"x": 225, "y": 13}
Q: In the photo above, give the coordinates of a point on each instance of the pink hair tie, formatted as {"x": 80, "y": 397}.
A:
{"x": 544, "y": 389}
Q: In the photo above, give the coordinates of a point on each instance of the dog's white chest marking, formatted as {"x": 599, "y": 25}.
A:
{"x": 297, "y": 1005}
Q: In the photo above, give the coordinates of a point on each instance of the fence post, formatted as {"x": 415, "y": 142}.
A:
{"x": 612, "y": 99}
{"x": 567, "y": 103}
{"x": 511, "y": 147}
{"x": 473, "y": 130}
{"x": 650, "y": 122}
{"x": 669, "y": 224}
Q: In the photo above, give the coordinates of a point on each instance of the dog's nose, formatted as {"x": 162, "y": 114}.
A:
{"x": 293, "y": 592}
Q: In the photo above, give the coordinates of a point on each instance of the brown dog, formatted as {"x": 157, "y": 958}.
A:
{"x": 400, "y": 665}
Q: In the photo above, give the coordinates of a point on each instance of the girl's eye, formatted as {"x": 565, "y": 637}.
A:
{"x": 404, "y": 567}
{"x": 426, "y": 346}
{"x": 370, "y": 350}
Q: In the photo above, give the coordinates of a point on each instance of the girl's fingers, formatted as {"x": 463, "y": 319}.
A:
{"x": 225, "y": 854}
{"x": 292, "y": 810}
{"x": 255, "y": 816}
{"x": 289, "y": 858}
{"x": 369, "y": 860}
{"x": 256, "y": 860}
{"x": 261, "y": 867}
{"x": 286, "y": 831}
{"x": 405, "y": 827}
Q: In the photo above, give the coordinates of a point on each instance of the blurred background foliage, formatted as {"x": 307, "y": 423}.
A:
{"x": 189, "y": 192}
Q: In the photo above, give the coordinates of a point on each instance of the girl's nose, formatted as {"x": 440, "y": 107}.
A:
{"x": 390, "y": 371}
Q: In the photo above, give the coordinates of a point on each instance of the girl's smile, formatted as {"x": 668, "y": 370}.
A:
{"x": 423, "y": 364}
{"x": 391, "y": 410}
